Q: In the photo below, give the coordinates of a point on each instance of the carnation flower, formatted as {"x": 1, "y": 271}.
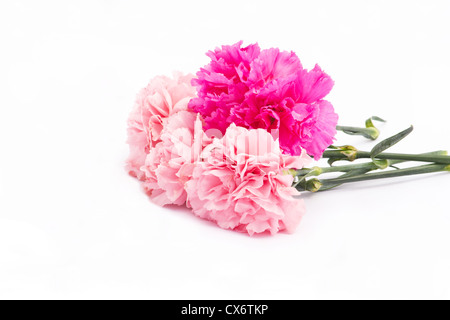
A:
{"x": 162, "y": 98}
{"x": 221, "y": 85}
{"x": 170, "y": 163}
{"x": 267, "y": 89}
{"x": 243, "y": 183}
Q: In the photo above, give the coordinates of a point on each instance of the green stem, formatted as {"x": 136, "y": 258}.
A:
{"x": 348, "y": 174}
{"x": 315, "y": 184}
{"x": 318, "y": 171}
{"x": 442, "y": 159}
{"x": 429, "y": 168}
{"x": 369, "y": 166}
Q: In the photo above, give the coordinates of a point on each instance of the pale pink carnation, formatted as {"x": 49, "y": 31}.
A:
{"x": 243, "y": 183}
{"x": 171, "y": 162}
{"x": 162, "y": 98}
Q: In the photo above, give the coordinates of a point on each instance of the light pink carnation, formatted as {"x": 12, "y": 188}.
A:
{"x": 162, "y": 98}
{"x": 243, "y": 184}
{"x": 170, "y": 163}
{"x": 267, "y": 89}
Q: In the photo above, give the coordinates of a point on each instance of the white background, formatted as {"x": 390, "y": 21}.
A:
{"x": 73, "y": 224}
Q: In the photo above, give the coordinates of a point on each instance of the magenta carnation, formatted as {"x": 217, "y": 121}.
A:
{"x": 267, "y": 89}
{"x": 222, "y": 85}
{"x": 243, "y": 183}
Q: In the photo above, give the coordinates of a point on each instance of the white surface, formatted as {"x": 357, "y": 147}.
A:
{"x": 74, "y": 225}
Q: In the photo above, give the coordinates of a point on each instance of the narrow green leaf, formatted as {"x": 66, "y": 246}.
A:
{"x": 352, "y": 133}
{"x": 389, "y": 142}
{"x": 369, "y": 122}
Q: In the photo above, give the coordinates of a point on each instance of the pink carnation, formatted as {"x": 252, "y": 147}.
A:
{"x": 171, "y": 162}
{"x": 270, "y": 90}
{"x": 243, "y": 183}
{"x": 221, "y": 85}
{"x": 162, "y": 98}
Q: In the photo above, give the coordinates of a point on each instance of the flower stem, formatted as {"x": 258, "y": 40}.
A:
{"x": 442, "y": 159}
{"x": 369, "y": 166}
{"x": 351, "y": 170}
{"x": 315, "y": 184}
{"x": 318, "y": 171}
